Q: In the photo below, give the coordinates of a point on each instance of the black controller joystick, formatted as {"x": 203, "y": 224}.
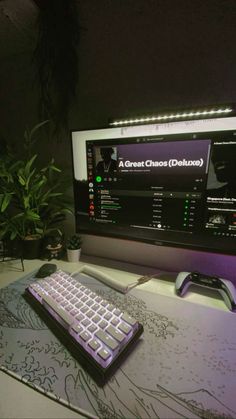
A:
{"x": 225, "y": 287}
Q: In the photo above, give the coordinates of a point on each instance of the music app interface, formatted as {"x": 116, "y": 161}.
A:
{"x": 149, "y": 184}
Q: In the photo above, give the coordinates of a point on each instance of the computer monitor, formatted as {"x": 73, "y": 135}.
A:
{"x": 162, "y": 195}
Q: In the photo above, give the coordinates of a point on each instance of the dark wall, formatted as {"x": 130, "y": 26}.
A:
{"x": 145, "y": 55}
{"x": 135, "y": 56}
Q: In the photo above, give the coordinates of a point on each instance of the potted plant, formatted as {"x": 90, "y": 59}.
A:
{"x": 73, "y": 247}
{"x": 31, "y": 198}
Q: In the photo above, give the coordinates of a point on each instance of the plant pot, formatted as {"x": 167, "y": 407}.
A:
{"x": 73, "y": 255}
{"x": 32, "y": 247}
{"x": 12, "y": 248}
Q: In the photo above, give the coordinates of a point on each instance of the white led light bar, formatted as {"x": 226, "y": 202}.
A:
{"x": 173, "y": 116}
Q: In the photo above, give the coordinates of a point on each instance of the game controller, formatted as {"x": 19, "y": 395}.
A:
{"x": 225, "y": 287}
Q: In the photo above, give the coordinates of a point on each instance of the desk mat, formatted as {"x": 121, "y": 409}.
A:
{"x": 183, "y": 367}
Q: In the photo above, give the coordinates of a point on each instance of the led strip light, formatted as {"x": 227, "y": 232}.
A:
{"x": 173, "y": 116}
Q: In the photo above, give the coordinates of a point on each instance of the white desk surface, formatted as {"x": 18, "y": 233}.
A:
{"x": 17, "y": 400}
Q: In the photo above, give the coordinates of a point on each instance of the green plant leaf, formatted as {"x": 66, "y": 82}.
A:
{"x": 19, "y": 215}
{"x": 26, "y": 134}
{"x": 56, "y": 169}
{"x": 21, "y": 180}
{"x": 38, "y": 185}
{"x": 6, "y": 201}
{"x": 13, "y": 235}
{"x": 54, "y": 194}
{"x": 32, "y": 198}
{"x": 67, "y": 211}
{"x": 29, "y": 164}
{"x": 26, "y": 201}
{"x": 29, "y": 178}
{"x": 36, "y": 127}
{"x": 31, "y": 215}
{"x": 39, "y": 231}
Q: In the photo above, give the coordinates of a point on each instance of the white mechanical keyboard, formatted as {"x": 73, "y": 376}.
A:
{"x": 101, "y": 332}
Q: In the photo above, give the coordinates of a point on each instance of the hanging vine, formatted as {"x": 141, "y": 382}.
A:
{"x": 56, "y": 59}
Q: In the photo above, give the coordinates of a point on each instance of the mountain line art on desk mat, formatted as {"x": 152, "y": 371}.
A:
{"x": 184, "y": 365}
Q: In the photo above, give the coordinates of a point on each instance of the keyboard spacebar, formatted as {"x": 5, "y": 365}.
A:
{"x": 68, "y": 320}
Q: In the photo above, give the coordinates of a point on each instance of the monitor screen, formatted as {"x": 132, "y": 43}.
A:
{"x": 164, "y": 184}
